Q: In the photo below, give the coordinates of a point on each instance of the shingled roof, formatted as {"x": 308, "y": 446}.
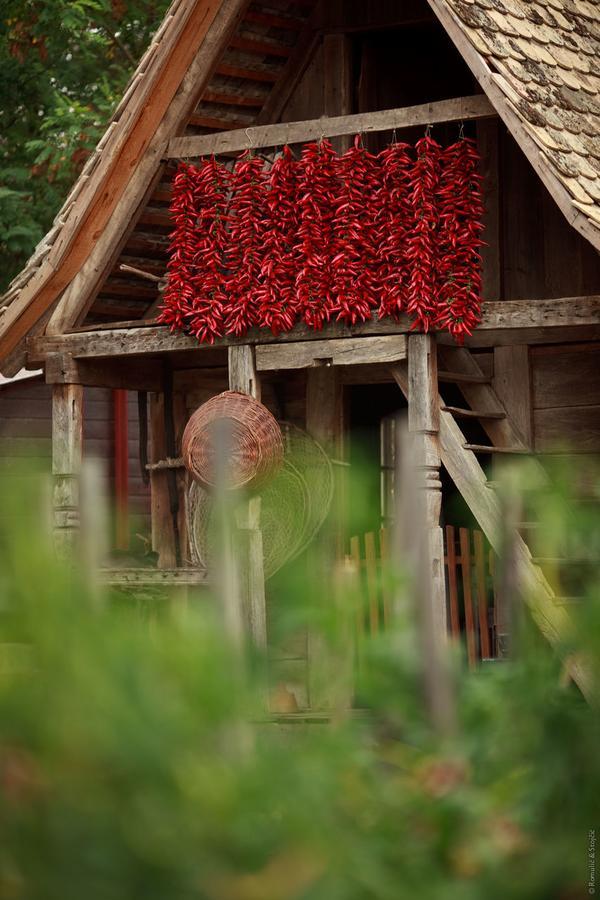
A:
{"x": 539, "y": 63}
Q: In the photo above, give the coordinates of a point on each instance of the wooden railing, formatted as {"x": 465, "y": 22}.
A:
{"x": 469, "y": 565}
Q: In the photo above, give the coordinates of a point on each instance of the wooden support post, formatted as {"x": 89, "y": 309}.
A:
{"x": 121, "y": 467}
{"x": 243, "y": 377}
{"x": 424, "y": 424}
{"x": 67, "y": 443}
{"x": 337, "y": 81}
{"x": 163, "y": 532}
{"x": 324, "y": 423}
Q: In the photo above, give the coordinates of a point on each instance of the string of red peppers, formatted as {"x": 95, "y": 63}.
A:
{"x": 327, "y": 237}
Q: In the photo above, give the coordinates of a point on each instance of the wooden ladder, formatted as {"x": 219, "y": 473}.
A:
{"x": 457, "y": 365}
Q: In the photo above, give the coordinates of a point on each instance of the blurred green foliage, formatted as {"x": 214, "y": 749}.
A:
{"x": 64, "y": 65}
{"x": 133, "y": 763}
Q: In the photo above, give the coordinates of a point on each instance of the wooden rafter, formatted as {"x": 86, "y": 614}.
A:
{"x": 455, "y": 110}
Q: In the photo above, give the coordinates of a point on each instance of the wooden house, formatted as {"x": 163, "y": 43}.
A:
{"x": 521, "y": 76}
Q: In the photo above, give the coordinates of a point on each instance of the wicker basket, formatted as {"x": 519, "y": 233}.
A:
{"x": 249, "y": 431}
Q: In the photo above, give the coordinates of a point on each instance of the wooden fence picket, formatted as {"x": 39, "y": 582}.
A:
{"x": 469, "y": 580}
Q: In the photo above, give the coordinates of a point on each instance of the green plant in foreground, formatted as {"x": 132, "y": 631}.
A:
{"x": 133, "y": 763}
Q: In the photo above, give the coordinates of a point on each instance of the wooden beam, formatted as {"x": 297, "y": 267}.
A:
{"x": 340, "y": 352}
{"x": 540, "y": 321}
{"x": 67, "y": 446}
{"x": 128, "y": 374}
{"x": 456, "y": 110}
{"x": 167, "y": 578}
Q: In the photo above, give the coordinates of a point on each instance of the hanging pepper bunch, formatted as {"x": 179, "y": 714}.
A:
{"x": 353, "y": 264}
{"x": 276, "y": 295}
{"x": 393, "y": 225}
{"x": 422, "y": 239}
{"x": 179, "y": 294}
{"x": 317, "y": 192}
{"x": 246, "y": 236}
{"x": 207, "y": 308}
{"x": 327, "y": 237}
{"x": 460, "y": 215}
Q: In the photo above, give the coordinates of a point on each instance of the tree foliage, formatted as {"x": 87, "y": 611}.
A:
{"x": 63, "y": 67}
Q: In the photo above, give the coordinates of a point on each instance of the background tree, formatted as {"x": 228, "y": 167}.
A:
{"x": 64, "y": 65}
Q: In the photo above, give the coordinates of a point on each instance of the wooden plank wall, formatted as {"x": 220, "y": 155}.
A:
{"x": 26, "y": 428}
{"x": 566, "y": 399}
{"x": 541, "y": 255}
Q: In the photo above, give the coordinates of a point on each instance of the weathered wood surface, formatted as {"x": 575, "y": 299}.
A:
{"x": 324, "y": 423}
{"x": 516, "y": 321}
{"x": 424, "y": 425}
{"x": 128, "y": 374}
{"x": 456, "y": 110}
{"x": 574, "y": 429}
{"x": 512, "y": 384}
{"x": 67, "y": 447}
{"x": 340, "y": 352}
{"x": 565, "y": 376}
{"x": 338, "y": 86}
{"x": 168, "y": 578}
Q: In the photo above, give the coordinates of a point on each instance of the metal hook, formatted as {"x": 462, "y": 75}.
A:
{"x": 428, "y": 130}
{"x": 461, "y": 132}
{"x": 249, "y": 137}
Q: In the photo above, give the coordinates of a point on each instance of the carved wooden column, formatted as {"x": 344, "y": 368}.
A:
{"x": 424, "y": 425}
{"x": 67, "y": 434}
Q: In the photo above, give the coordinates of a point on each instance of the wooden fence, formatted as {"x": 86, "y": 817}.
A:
{"x": 469, "y": 566}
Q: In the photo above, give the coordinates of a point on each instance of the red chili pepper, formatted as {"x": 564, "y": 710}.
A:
{"x": 354, "y": 249}
{"x": 461, "y": 210}
{"x": 327, "y": 237}
{"x": 317, "y": 192}
{"x": 276, "y": 295}
{"x": 421, "y": 243}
